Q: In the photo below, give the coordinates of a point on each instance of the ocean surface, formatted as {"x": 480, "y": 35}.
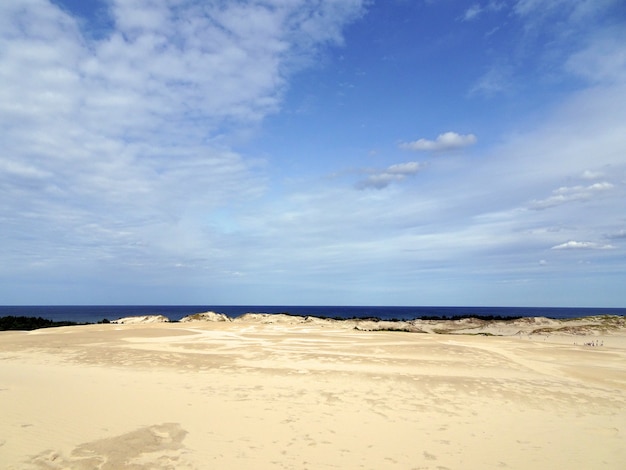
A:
{"x": 96, "y": 313}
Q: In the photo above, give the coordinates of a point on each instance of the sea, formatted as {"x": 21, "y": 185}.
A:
{"x": 98, "y": 313}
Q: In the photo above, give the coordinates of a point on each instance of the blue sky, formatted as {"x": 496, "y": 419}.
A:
{"x": 328, "y": 152}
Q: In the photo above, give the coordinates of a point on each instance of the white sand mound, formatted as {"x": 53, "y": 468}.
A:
{"x": 537, "y": 321}
{"x": 206, "y": 316}
{"x": 142, "y": 319}
{"x": 269, "y": 318}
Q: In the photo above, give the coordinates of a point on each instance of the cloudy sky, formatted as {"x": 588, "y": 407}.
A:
{"x": 313, "y": 152}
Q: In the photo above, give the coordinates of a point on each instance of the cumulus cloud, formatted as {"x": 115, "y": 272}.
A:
{"x": 567, "y": 194}
{"x": 394, "y": 173}
{"x": 575, "y": 245}
{"x": 444, "y": 142}
{"x": 591, "y": 175}
{"x": 118, "y": 161}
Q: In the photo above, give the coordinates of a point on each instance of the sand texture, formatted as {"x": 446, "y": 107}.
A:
{"x": 280, "y": 392}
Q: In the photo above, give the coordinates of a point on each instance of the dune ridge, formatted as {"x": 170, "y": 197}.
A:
{"x": 591, "y": 325}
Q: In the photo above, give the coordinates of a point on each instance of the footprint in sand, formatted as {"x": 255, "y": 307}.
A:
{"x": 154, "y": 447}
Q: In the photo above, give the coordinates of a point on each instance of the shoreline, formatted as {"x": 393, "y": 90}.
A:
{"x": 97, "y": 313}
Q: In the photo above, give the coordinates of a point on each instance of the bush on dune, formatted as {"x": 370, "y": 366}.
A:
{"x": 29, "y": 323}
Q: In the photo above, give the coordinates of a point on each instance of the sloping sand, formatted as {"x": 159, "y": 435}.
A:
{"x": 298, "y": 393}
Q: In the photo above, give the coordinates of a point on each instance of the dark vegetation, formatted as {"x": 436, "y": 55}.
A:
{"x": 477, "y": 317}
{"x": 434, "y": 317}
{"x": 25, "y": 323}
{"x": 423, "y": 317}
{"x": 30, "y": 323}
{"x": 34, "y": 323}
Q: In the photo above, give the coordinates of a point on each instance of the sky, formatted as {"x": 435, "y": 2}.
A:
{"x": 313, "y": 152}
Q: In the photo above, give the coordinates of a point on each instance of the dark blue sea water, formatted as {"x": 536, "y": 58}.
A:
{"x": 93, "y": 314}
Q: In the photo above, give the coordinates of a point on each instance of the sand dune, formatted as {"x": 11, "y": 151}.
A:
{"x": 284, "y": 393}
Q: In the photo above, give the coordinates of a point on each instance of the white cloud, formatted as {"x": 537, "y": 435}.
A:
{"x": 592, "y": 175}
{"x": 600, "y": 186}
{"x": 603, "y": 60}
{"x": 16, "y": 169}
{"x": 119, "y": 165}
{"x": 476, "y": 10}
{"x": 443, "y": 142}
{"x": 472, "y": 12}
{"x": 572, "y": 11}
{"x": 394, "y": 173}
{"x": 116, "y": 150}
{"x": 551, "y": 41}
{"x": 567, "y": 194}
{"x": 408, "y": 168}
{"x": 497, "y": 79}
{"x": 574, "y": 245}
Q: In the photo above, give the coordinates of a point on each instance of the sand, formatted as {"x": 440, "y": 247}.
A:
{"x": 303, "y": 393}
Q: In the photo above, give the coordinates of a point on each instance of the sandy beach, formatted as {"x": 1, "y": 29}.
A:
{"x": 279, "y": 392}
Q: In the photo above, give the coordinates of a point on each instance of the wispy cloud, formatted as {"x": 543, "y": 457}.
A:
{"x": 472, "y": 12}
{"x": 497, "y": 79}
{"x": 127, "y": 172}
{"x": 560, "y": 35}
{"x": 574, "y": 245}
{"x": 570, "y": 11}
{"x": 444, "y": 142}
{"x": 603, "y": 60}
{"x": 382, "y": 178}
{"x": 618, "y": 235}
{"x": 114, "y": 146}
{"x": 477, "y": 9}
{"x": 567, "y": 194}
